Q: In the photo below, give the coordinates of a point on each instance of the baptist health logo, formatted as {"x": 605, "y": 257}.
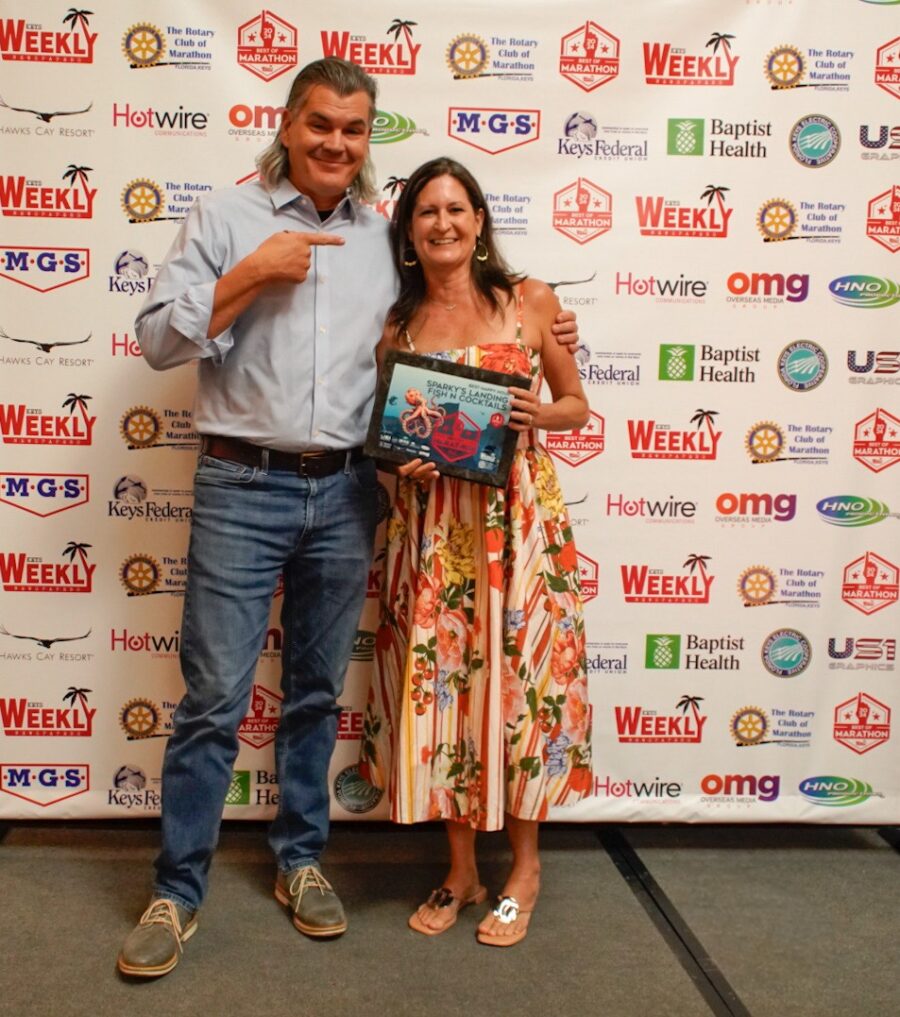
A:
{"x": 676, "y": 362}
{"x": 685, "y": 136}
{"x": 662, "y": 652}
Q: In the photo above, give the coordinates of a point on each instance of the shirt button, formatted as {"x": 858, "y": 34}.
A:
{"x": 322, "y": 329}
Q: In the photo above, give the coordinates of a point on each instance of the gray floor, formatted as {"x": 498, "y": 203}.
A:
{"x": 652, "y": 921}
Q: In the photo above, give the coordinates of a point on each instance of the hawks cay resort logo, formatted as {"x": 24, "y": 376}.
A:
{"x": 184, "y": 47}
{"x": 582, "y": 211}
{"x": 46, "y": 654}
{"x": 491, "y": 129}
{"x": 132, "y": 499}
{"x": 21, "y": 196}
{"x": 397, "y": 57}
{"x": 680, "y": 362}
{"x": 880, "y": 142}
{"x": 763, "y": 586}
{"x": 870, "y": 583}
{"x": 818, "y": 222}
{"x": 500, "y": 56}
{"x": 583, "y": 138}
{"x": 769, "y": 442}
{"x": 43, "y": 355}
{"x": 25, "y": 572}
{"x": 267, "y": 45}
{"x": 887, "y": 67}
{"x": 730, "y": 139}
{"x": 659, "y": 216}
{"x": 22, "y": 40}
{"x": 751, "y": 726}
{"x": 143, "y": 427}
{"x": 44, "y": 268}
{"x": 882, "y": 365}
{"x": 865, "y": 291}
{"x": 649, "y": 439}
{"x": 28, "y": 425}
{"x": 827, "y": 69}
{"x": 589, "y": 56}
{"x": 44, "y": 494}
{"x": 862, "y": 653}
{"x": 663, "y": 652}
{"x": 876, "y": 440}
{"x": 883, "y": 222}
{"x": 665, "y": 64}
{"x": 143, "y": 200}
{"x": 45, "y": 127}
{"x": 636, "y": 724}
{"x": 644, "y": 585}
{"x": 814, "y": 141}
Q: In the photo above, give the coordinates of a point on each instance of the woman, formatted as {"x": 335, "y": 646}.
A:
{"x": 478, "y": 709}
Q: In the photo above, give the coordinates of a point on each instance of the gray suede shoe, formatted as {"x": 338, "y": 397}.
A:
{"x": 317, "y": 911}
{"x": 154, "y": 945}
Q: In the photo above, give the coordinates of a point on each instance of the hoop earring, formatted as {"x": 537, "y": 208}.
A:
{"x": 409, "y": 257}
{"x": 482, "y": 254}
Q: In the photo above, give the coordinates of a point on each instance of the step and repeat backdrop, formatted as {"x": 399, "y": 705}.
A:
{"x": 714, "y": 188}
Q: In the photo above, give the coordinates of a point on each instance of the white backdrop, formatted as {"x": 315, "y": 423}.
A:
{"x": 714, "y": 187}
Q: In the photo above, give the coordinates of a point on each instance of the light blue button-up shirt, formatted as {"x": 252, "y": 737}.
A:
{"x": 296, "y": 370}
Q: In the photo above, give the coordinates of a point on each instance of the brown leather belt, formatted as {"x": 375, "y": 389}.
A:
{"x": 305, "y": 464}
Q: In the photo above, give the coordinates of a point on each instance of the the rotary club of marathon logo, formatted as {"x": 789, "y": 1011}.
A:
{"x": 776, "y": 220}
{"x": 144, "y": 46}
{"x": 589, "y": 56}
{"x": 870, "y": 583}
{"x": 862, "y": 723}
{"x": 582, "y": 211}
{"x": 142, "y": 718}
{"x": 142, "y": 575}
{"x": 143, "y": 427}
{"x": 883, "y": 222}
{"x": 468, "y": 56}
{"x": 876, "y": 440}
{"x": 785, "y": 67}
{"x": 267, "y": 45}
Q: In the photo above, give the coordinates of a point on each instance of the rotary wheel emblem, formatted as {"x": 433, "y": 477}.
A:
{"x": 749, "y": 726}
{"x": 467, "y": 56}
{"x": 139, "y": 574}
{"x": 785, "y": 67}
{"x": 139, "y": 718}
{"x": 142, "y": 200}
{"x": 143, "y": 45}
{"x": 757, "y": 586}
{"x": 777, "y": 219}
{"x": 765, "y": 442}
{"x": 140, "y": 427}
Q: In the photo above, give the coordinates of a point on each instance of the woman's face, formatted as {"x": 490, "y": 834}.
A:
{"x": 444, "y": 226}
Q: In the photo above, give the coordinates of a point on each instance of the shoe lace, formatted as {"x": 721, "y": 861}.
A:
{"x": 307, "y": 877}
{"x": 162, "y": 912}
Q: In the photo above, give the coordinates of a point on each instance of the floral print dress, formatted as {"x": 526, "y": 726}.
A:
{"x": 479, "y": 703}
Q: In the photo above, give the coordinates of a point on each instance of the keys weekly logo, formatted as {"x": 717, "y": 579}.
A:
{"x": 20, "y": 196}
{"x": 651, "y": 440}
{"x": 665, "y": 64}
{"x": 659, "y": 216}
{"x": 643, "y": 585}
{"x": 30, "y": 41}
{"x": 21, "y": 425}
{"x": 636, "y": 724}
{"x": 20, "y": 717}
{"x": 24, "y": 573}
{"x": 397, "y": 57}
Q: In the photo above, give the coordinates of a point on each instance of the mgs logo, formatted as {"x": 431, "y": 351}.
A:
{"x": 44, "y": 783}
{"x": 267, "y": 45}
{"x": 870, "y": 583}
{"x": 44, "y": 494}
{"x": 589, "y": 56}
{"x": 582, "y": 211}
{"x": 47, "y": 268}
{"x": 883, "y": 223}
{"x": 493, "y": 130}
{"x": 876, "y": 441}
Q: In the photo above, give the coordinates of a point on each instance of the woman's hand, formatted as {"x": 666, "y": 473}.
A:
{"x": 525, "y": 409}
{"x": 419, "y": 471}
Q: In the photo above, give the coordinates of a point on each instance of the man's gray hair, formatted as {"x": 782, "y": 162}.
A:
{"x": 344, "y": 79}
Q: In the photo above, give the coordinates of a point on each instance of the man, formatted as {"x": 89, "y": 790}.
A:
{"x": 279, "y": 290}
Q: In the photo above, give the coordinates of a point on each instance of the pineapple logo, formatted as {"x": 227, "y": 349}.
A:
{"x": 239, "y": 789}
{"x": 663, "y": 652}
{"x": 676, "y": 362}
{"x": 685, "y": 136}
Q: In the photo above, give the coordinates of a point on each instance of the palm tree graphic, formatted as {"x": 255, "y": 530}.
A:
{"x": 702, "y": 417}
{"x": 78, "y": 173}
{"x": 696, "y": 560}
{"x": 81, "y": 17}
{"x": 690, "y": 703}
{"x": 80, "y": 694}
{"x": 718, "y": 39}
{"x": 397, "y": 26}
{"x": 74, "y": 401}
{"x": 394, "y": 184}
{"x": 73, "y": 548}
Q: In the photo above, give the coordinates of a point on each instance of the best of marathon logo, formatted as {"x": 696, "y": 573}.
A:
{"x": 47, "y": 268}
{"x": 659, "y": 216}
{"x": 643, "y": 585}
{"x": 397, "y": 57}
{"x": 636, "y": 724}
{"x": 267, "y": 45}
{"x": 862, "y": 723}
{"x": 493, "y": 130}
{"x": 870, "y": 583}
{"x": 867, "y": 653}
{"x": 146, "y": 46}
{"x": 887, "y": 67}
{"x": 44, "y": 494}
{"x": 876, "y": 441}
{"x": 27, "y": 573}
{"x": 577, "y": 447}
{"x": 589, "y": 56}
{"x": 258, "y": 728}
{"x": 22, "y": 197}
{"x": 665, "y": 64}
{"x": 582, "y": 211}
{"x": 649, "y": 440}
{"x": 21, "y": 425}
{"x": 786, "y": 66}
{"x": 44, "y": 783}
{"x": 21, "y": 718}
{"x": 31, "y": 41}
{"x": 883, "y": 223}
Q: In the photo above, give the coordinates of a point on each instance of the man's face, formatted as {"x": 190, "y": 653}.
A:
{"x": 327, "y": 142}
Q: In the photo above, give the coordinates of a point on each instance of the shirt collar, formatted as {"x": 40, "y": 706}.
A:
{"x": 284, "y": 193}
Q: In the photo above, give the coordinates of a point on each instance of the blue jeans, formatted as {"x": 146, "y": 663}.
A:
{"x": 248, "y": 527}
